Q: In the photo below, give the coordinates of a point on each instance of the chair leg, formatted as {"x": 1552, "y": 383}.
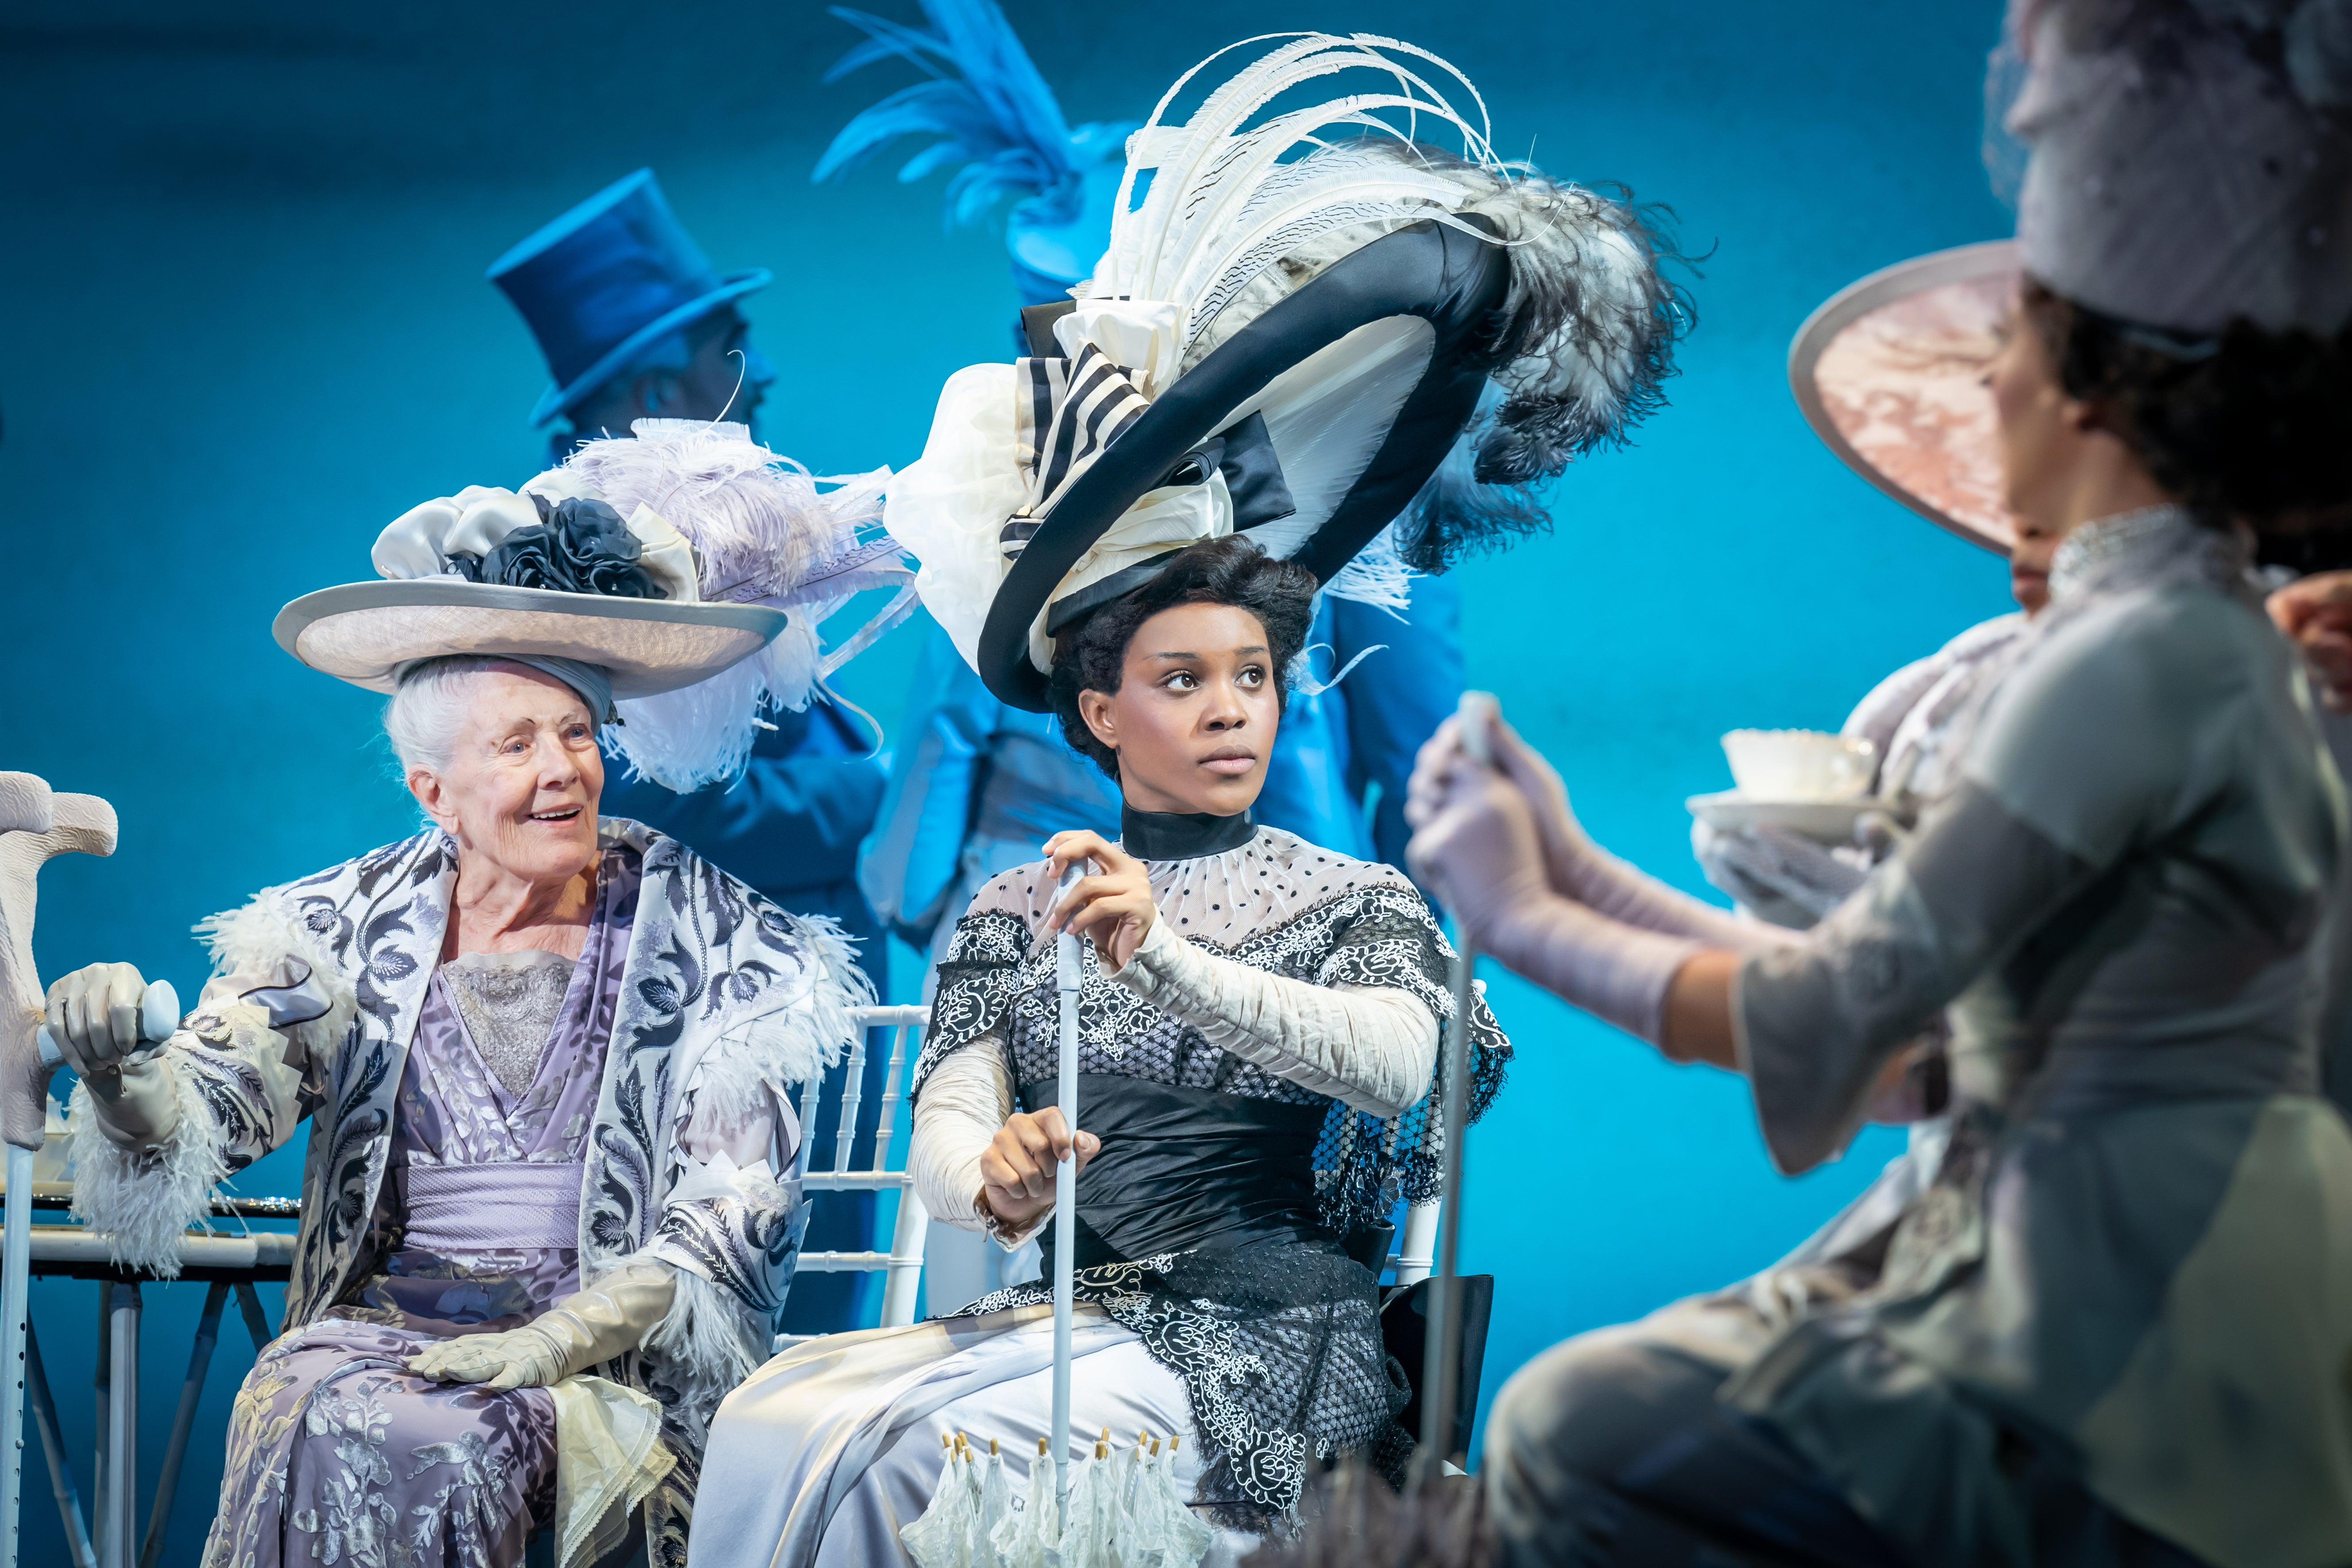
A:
{"x": 905, "y": 1272}
{"x": 257, "y": 1321}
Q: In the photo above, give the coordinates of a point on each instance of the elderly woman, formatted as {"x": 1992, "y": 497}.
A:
{"x": 549, "y": 1209}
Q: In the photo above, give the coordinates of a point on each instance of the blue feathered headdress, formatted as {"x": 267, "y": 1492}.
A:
{"x": 993, "y": 114}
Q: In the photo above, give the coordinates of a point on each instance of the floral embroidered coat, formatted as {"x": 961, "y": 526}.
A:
{"x": 318, "y": 986}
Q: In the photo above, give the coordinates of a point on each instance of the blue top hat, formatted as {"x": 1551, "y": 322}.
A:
{"x": 606, "y": 279}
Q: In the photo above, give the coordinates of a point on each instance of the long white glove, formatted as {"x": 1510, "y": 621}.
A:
{"x": 1778, "y": 875}
{"x": 1574, "y": 864}
{"x": 576, "y": 1333}
{"x": 93, "y": 1014}
{"x": 1480, "y": 850}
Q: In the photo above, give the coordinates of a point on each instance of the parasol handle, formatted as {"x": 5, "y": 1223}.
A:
{"x": 1069, "y": 976}
{"x": 1442, "y": 1355}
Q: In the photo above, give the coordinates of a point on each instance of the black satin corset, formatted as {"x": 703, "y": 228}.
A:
{"x": 1185, "y": 1168}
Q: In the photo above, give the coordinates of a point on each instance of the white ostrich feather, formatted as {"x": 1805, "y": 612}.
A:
{"x": 1584, "y": 337}
{"x": 1219, "y": 187}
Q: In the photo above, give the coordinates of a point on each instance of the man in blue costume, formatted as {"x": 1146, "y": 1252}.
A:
{"x": 977, "y": 785}
{"x": 636, "y": 324}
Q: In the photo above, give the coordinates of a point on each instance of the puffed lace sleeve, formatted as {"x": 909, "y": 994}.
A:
{"x": 963, "y": 1083}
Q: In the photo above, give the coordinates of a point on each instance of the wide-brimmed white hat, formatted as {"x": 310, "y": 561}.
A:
{"x": 368, "y": 633}
{"x": 686, "y": 568}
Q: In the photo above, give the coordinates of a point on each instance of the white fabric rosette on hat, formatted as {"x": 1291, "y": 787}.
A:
{"x": 687, "y": 566}
{"x": 984, "y": 466}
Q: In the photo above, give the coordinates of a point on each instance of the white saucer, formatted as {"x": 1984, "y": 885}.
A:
{"x": 1826, "y": 821}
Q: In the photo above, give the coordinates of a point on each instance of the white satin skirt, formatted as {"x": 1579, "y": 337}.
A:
{"x": 820, "y": 1457}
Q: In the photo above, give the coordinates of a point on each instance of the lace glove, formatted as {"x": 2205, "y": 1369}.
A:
{"x": 1373, "y": 1049}
{"x": 576, "y": 1333}
{"x": 1480, "y": 852}
{"x": 1575, "y": 866}
{"x": 93, "y": 1014}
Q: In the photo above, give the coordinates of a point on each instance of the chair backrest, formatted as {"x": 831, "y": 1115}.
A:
{"x": 903, "y": 1264}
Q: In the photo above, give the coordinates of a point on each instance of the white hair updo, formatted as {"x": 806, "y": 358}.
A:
{"x": 425, "y": 713}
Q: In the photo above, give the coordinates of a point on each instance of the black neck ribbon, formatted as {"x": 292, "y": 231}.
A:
{"x": 1181, "y": 835}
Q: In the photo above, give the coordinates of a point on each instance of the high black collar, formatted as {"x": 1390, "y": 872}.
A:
{"x": 1181, "y": 835}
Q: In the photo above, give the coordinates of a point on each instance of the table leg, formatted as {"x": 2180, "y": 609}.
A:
{"x": 257, "y": 1321}
{"x": 121, "y": 1491}
{"x": 104, "y": 1383}
{"x": 167, "y": 1481}
{"x": 52, "y": 1446}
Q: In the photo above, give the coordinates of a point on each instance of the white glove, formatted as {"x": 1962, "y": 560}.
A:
{"x": 1574, "y": 864}
{"x": 1480, "y": 851}
{"x": 576, "y": 1333}
{"x": 93, "y": 1014}
{"x": 1778, "y": 875}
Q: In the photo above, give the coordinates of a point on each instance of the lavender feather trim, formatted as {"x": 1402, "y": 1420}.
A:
{"x": 763, "y": 532}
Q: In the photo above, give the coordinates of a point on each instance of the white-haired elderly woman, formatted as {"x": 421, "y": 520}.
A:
{"x": 549, "y": 1211}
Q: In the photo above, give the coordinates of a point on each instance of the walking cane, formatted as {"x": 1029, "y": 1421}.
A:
{"x": 34, "y": 825}
{"x": 1441, "y": 1365}
{"x": 1066, "y": 974}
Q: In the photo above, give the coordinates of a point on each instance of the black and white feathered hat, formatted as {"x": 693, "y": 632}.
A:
{"x": 1288, "y": 332}
{"x": 683, "y": 573}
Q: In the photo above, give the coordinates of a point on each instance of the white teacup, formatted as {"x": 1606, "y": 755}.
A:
{"x": 1798, "y": 765}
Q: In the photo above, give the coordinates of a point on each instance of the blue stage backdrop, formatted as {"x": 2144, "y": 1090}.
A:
{"x": 246, "y": 325}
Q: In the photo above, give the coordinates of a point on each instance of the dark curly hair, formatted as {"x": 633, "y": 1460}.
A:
{"x": 2250, "y": 426}
{"x": 1092, "y": 655}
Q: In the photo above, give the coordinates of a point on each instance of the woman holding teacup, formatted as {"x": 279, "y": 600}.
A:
{"x": 2113, "y": 1330}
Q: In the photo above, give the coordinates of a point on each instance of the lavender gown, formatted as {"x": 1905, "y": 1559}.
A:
{"x": 338, "y": 1453}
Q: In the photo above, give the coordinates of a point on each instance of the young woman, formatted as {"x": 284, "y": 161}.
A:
{"x": 1259, "y": 1016}
{"x": 2114, "y": 1328}
{"x": 1294, "y": 323}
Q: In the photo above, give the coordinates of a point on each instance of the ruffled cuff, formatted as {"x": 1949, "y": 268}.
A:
{"x": 142, "y": 1200}
{"x": 736, "y": 1227}
{"x": 730, "y": 1233}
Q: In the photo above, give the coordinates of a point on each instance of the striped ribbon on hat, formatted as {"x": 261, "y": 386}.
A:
{"x": 1070, "y": 411}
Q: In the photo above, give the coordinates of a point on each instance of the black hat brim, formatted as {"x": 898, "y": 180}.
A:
{"x": 1455, "y": 281}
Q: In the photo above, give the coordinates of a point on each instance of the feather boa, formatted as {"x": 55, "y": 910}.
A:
{"x": 143, "y": 1201}
{"x": 256, "y": 939}
{"x": 787, "y": 1049}
{"x": 703, "y": 1347}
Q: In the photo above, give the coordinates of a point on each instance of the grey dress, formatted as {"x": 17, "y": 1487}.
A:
{"x": 2115, "y": 1327}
